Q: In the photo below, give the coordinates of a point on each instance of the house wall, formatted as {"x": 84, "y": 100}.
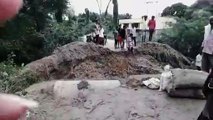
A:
{"x": 161, "y": 22}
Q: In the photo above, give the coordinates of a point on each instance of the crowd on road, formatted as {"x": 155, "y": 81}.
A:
{"x": 124, "y": 34}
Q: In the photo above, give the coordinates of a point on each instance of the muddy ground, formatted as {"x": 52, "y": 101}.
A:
{"x": 115, "y": 104}
{"x": 79, "y": 61}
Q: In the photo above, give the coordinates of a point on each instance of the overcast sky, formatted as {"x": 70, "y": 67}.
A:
{"x": 135, "y": 7}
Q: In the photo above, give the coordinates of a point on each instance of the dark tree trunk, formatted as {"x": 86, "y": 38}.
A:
{"x": 59, "y": 16}
{"x": 115, "y": 13}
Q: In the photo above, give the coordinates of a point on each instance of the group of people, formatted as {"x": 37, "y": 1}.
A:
{"x": 130, "y": 34}
{"x": 122, "y": 34}
{"x": 97, "y": 36}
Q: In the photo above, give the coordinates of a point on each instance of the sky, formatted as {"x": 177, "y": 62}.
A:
{"x": 137, "y": 8}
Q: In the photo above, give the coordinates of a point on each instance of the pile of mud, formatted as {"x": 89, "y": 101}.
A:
{"x": 88, "y": 61}
{"x": 164, "y": 53}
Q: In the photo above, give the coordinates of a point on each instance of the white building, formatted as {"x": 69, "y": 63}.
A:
{"x": 161, "y": 22}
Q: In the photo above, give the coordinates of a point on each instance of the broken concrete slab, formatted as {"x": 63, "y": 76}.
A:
{"x": 69, "y": 89}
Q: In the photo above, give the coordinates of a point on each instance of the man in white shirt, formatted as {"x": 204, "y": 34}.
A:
{"x": 207, "y": 45}
{"x": 134, "y": 35}
{"x": 144, "y": 28}
{"x": 97, "y": 33}
{"x": 101, "y": 35}
{"x": 101, "y": 32}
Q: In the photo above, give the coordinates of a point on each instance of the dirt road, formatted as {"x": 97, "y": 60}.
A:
{"x": 116, "y": 104}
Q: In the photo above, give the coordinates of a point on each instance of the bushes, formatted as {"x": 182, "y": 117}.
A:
{"x": 26, "y": 49}
{"x": 35, "y": 45}
{"x": 59, "y": 34}
{"x": 13, "y": 80}
{"x": 186, "y": 35}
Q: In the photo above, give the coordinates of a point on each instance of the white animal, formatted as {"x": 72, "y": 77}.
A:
{"x": 166, "y": 77}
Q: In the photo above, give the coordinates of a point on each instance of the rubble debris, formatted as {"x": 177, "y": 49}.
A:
{"x": 152, "y": 83}
{"x": 83, "y": 85}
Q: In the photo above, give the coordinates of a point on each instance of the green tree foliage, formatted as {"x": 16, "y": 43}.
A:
{"x": 178, "y": 10}
{"x": 24, "y": 34}
{"x": 57, "y": 35}
{"x": 125, "y": 16}
{"x": 202, "y": 4}
{"x": 87, "y": 15}
{"x": 60, "y": 7}
{"x": 186, "y": 35}
{"x": 41, "y": 26}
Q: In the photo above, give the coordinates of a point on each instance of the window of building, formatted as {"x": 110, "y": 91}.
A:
{"x": 126, "y": 24}
{"x": 135, "y": 25}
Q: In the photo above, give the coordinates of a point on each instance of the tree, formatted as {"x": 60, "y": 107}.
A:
{"x": 115, "y": 12}
{"x": 186, "y": 35}
{"x": 106, "y": 11}
{"x": 202, "y": 4}
{"x": 177, "y": 9}
{"x": 24, "y": 36}
{"x": 87, "y": 15}
{"x": 125, "y": 16}
{"x": 60, "y": 7}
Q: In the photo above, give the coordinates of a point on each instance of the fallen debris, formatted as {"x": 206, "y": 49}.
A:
{"x": 152, "y": 83}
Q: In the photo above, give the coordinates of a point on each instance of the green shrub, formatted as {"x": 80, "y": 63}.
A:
{"x": 186, "y": 35}
{"x": 59, "y": 34}
{"x": 13, "y": 80}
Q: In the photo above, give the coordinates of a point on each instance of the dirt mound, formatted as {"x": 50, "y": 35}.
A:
{"x": 89, "y": 61}
{"x": 164, "y": 53}
{"x": 68, "y": 55}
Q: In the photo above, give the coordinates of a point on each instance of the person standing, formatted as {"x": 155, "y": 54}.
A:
{"x": 207, "y": 65}
{"x": 123, "y": 37}
{"x": 119, "y": 36}
{"x": 101, "y": 35}
{"x": 130, "y": 43}
{"x": 207, "y": 45}
{"x": 116, "y": 39}
{"x": 152, "y": 26}
{"x": 96, "y": 35}
{"x": 134, "y": 35}
{"x": 144, "y": 28}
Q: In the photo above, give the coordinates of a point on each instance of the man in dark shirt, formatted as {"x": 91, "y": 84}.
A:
{"x": 123, "y": 36}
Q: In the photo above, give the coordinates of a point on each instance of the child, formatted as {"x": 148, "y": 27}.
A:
{"x": 198, "y": 61}
{"x": 130, "y": 43}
